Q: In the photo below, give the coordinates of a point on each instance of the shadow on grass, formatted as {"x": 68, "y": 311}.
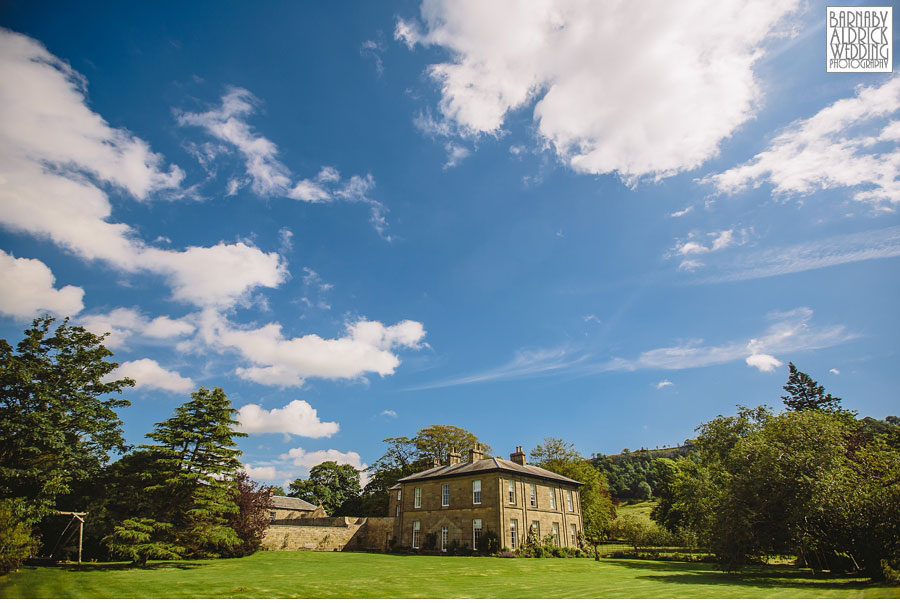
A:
{"x": 763, "y": 577}
{"x": 118, "y": 567}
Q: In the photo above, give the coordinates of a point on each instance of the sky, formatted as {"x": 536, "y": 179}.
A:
{"x": 602, "y": 222}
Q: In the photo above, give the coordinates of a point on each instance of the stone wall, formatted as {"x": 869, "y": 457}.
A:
{"x": 329, "y": 534}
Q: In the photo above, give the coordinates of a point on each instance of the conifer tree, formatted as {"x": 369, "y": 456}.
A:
{"x": 806, "y": 394}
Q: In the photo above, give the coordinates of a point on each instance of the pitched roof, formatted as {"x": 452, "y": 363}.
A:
{"x": 485, "y": 466}
{"x": 291, "y": 502}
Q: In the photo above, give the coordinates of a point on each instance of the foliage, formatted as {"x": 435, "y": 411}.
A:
{"x": 639, "y": 531}
{"x": 251, "y": 519}
{"x": 330, "y": 484}
{"x": 58, "y": 424}
{"x": 488, "y": 542}
{"x": 630, "y": 474}
{"x": 185, "y": 481}
{"x": 142, "y": 539}
{"x": 436, "y": 441}
{"x": 806, "y": 394}
{"x": 555, "y": 451}
{"x": 16, "y": 540}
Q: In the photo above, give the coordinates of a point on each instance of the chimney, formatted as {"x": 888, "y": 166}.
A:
{"x": 435, "y": 462}
{"x": 453, "y": 456}
{"x": 518, "y": 456}
{"x": 476, "y": 454}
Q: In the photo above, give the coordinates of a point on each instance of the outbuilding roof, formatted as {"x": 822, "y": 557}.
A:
{"x": 292, "y": 503}
{"x": 485, "y": 466}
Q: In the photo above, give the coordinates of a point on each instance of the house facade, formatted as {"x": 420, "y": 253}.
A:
{"x": 291, "y": 507}
{"x": 462, "y": 501}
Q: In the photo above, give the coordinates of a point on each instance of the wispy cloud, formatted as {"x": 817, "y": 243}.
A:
{"x": 664, "y": 383}
{"x": 526, "y": 364}
{"x": 832, "y": 251}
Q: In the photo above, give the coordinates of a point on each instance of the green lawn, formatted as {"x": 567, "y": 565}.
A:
{"x": 287, "y": 574}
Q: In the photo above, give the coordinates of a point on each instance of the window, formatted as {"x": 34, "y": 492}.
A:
{"x": 533, "y": 499}
{"x": 445, "y": 495}
{"x": 271, "y": 515}
{"x": 512, "y": 492}
{"x": 398, "y": 510}
{"x": 398, "y": 494}
{"x": 569, "y": 500}
{"x": 415, "y": 542}
{"x": 553, "y": 498}
{"x": 417, "y": 498}
{"x": 573, "y": 530}
{"x": 444, "y": 533}
{"x": 536, "y": 528}
{"x": 513, "y": 533}
{"x": 555, "y": 533}
{"x": 476, "y": 533}
{"x": 476, "y": 491}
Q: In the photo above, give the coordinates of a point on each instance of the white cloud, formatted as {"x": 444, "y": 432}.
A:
{"x": 664, "y": 383}
{"x": 28, "y": 290}
{"x": 389, "y": 413}
{"x": 367, "y": 347}
{"x": 683, "y": 212}
{"x": 265, "y": 472}
{"x": 149, "y": 375}
{"x": 301, "y": 458}
{"x": 764, "y": 362}
{"x": 717, "y": 241}
{"x": 834, "y": 371}
{"x": 55, "y": 154}
{"x": 455, "y": 154}
{"x": 296, "y": 418}
{"x": 838, "y": 148}
{"x": 124, "y": 323}
{"x": 269, "y": 177}
{"x": 638, "y": 89}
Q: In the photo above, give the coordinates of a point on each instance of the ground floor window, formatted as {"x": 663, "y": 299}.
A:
{"x": 476, "y": 533}
{"x": 556, "y": 533}
{"x": 415, "y": 540}
{"x": 445, "y": 531}
{"x": 536, "y": 530}
{"x": 573, "y": 529}
{"x": 513, "y": 533}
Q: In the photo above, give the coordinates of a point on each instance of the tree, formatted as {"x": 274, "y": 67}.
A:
{"x": 329, "y": 484}
{"x": 399, "y": 460}
{"x": 251, "y": 519}
{"x": 58, "y": 424}
{"x": 436, "y": 441}
{"x": 188, "y": 476}
{"x": 141, "y": 540}
{"x": 806, "y": 394}
{"x": 554, "y": 450}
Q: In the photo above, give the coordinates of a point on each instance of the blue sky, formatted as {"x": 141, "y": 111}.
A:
{"x": 590, "y": 221}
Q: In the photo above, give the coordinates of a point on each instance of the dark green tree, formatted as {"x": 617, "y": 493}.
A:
{"x": 806, "y": 394}
{"x": 436, "y": 441}
{"x": 188, "y": 476}
{"x": 330, "y": 484}
{"x": 58, "y": 423}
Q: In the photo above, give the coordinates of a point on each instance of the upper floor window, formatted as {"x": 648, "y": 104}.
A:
{"x": 533, "y": 497}
{"x": 569, "y": 504}
{"x": 445, "y": 495}
{"x": 476, "y": 491}
{"x": 553, "y": 498}
{"x": 512, "y": 492}
{"x": 417, "y": 498}
{"x": 398, "y": 494}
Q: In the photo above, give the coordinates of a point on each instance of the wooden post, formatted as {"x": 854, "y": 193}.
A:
{"x": 80, "y": 518}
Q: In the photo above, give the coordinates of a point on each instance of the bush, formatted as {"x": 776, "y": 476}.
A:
{"x": 430, "y": 543}
{"x": 17, "y": 540}
{"x": 488, "y": 543}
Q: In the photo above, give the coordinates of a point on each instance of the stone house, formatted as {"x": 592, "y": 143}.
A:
{"x": 462, "y": 501}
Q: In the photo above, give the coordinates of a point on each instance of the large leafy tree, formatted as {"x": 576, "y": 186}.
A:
{"x": 805, "y": 394}
{"x": 251, "y": 518}
{"x": 58, "y": 423}
{"x": 330, "y": 484}
{"x": 436, "y": 441}
{"x": 187, "y": 478}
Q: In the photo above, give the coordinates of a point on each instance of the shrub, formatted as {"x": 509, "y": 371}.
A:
{"x": 430, "y": 543}
{"x": 488, "y": 543}
{"x": 17, "y": 541}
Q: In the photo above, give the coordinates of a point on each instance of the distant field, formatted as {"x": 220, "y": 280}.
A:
{"x": 642, "y": 507}
{"x": 287, "y": 574}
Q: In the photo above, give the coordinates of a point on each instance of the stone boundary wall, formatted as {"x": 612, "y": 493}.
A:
{"x": 329, "y": 534}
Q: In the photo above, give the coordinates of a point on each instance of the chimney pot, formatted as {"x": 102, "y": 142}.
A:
{"x": 476, "y": 454}
{"x": 518, "y": 456}
{"x": 454, "y": 456}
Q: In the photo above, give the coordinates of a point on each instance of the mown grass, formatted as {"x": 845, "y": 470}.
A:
{"x": 287, "y": 574}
